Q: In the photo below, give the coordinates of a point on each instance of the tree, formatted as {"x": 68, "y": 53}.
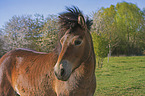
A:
{"x": 15, "y": 32}
{"x": 123, "y": 27}
{"x": 105, "y": 24}
{"x": 129, "y": 18}
{"x": 37, "y": 33}
{"x": 48, "y": 33}
{"x": 100, "y": 47}
{"x": 1, "y": 43}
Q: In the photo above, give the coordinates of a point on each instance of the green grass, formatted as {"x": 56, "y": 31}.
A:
{"x": 122, "y": 76}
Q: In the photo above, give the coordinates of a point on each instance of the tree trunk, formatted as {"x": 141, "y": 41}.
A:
{"x": 128, "y": 49}
{"x": 109, "y": 54}
{"x": 102, "y": 59}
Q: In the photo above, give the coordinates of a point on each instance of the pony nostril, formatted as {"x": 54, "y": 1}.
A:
{"x": 62, "y": 72}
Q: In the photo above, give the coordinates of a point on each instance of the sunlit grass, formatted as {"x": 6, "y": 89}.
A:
{"x": 122, "y": 76}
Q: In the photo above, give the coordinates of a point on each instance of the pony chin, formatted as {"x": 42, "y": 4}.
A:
{"x": 63, "y": 78}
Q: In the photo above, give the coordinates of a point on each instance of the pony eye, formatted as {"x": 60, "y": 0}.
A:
{"x": 77, "y": 42}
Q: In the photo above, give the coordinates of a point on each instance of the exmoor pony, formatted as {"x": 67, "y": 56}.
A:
{"x": 69, "y": 70}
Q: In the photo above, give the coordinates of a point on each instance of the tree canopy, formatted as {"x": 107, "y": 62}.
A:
{"x": 123, "y": 28}
{"x": 27, "y": 31}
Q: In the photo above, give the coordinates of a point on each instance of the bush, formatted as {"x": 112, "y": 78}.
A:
{"x": 100, "y": 47}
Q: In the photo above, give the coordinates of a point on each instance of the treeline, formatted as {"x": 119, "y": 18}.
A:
{"x": 27, "y": 31}
{"x": 119, "y": 30}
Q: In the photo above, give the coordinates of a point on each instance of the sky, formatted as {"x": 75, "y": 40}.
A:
{"x": 10, "y": 8}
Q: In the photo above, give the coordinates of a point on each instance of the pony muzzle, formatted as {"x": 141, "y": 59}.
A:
{"x": 62, "y": 70}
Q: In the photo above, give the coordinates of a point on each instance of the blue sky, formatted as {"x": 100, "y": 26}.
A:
{"x": 9, "y": 8}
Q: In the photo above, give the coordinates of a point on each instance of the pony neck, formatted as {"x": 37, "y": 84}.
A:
{"x": 87, "y": 68}
{"x": 91, "y": 55}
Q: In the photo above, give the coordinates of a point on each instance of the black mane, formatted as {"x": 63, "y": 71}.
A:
{"x": 69, "y": 18}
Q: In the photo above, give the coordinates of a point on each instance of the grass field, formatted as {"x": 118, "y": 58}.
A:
{"x": 122, "y": 76}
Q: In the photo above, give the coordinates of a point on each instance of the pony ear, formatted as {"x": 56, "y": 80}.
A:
{"x": 81, "y": 20}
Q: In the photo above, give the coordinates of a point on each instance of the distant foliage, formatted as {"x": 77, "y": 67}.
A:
{"x": 1, "y": 44}
{"x": 16, "y": 32}
{"x": 100, "y": 47}
{"x": 27, "y": 31}
{"x": 123, "y": 28}
{"x": 49, "y": 33}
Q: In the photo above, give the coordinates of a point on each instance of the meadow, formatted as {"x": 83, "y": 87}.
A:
{"x": 122, "y": 76}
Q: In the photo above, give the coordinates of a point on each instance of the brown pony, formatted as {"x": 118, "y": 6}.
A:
{"x": 69, "y": 70}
